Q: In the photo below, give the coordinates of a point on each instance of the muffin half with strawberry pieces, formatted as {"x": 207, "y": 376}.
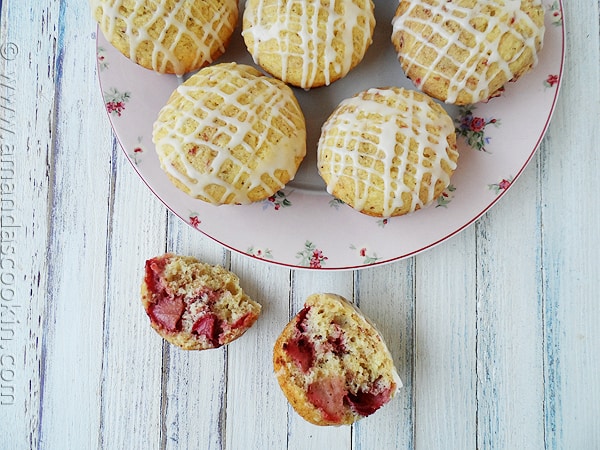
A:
{"x": 332, "y": 364}
{"x": 194, "y": 305}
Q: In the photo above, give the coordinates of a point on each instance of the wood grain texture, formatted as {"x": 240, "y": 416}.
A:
{"x": 570, "y": 221}
{"x": 132, "y": 351}
{"x": 494, "y": 332}
{"x": 509, "y": 321}
{"x": 387, "y": 298}
{"x": 252, "y": 391}
{"x": 445, "y": 403}
{"x": 196, "y": 382}
{"x": 27, "y": 140}
{"x": 73, "y": 327}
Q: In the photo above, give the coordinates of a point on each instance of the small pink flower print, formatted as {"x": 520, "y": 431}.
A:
{"x": 382, "y": 222}
{"x": 446, "y": 197}
{"x": 263, "y": 253}
{"x": 551, "y": 81}
{"x": 311, "y": 256}
{"x": 556, "y": 14}
{"x": 102, "y": 63}
{"x": 502, "y": 185}
{"x": 316, "y": 259}
{"x": 277, "y": 201}
{"x": 477, "y": 124}
{"x": 472, "y": 128}
{"x": 115, "y": 107}
{"x": 364, "y": 253}
{"x": 195, "y": 221}
{"x": 115, "y": 101}
{"x": 136, "y": 154}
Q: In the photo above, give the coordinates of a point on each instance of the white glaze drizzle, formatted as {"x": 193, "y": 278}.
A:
{"x": 305, "y": 25}
{"x": 462, "y": 15}
{"x": 163, "y": 54}
{"x": 272, "y": 102}
{"x": 344, "y": 155}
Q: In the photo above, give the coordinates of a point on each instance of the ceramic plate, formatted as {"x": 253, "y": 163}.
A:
{"x": 304, "y": 227}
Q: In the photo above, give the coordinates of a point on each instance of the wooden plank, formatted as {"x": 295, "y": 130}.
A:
{"x": 386, "y": 296}
{"x": 195, "y": 384}
{"x": 571, "y": 241}
{"x": 444, "y": 402}
{"x": 72, "y": 340}
{"x": 133, "y": 353}
{"x": 27, "y": 76}
{"x": 256, "y": 415}
{"x": 509, "y": 326}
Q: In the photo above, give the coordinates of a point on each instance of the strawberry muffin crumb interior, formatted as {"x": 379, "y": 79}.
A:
{"x": 332, "y": 364}
{"x": 194, "y": 305}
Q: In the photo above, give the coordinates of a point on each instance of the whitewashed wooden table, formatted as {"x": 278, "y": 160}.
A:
{"x": 495, "y": 332}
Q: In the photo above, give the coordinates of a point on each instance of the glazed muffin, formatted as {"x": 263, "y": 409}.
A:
{"x": 464, "y": 51}
{"x": 387, "y": 151}
{"x": 230, "y": 135}
{"x": 168, "y": 36}
{"x": 194, "y": 305}
{"x": 308, "y": 43}
{"x": 332, "y": 364}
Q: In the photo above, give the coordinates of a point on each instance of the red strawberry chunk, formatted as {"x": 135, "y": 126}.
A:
{"x": 244, "y": 322}
{"x": 366, "y": 403}
{"x": 328, "y": 395}
{"x": 153, "y": 276}
{"x": 301, "y": 319}
{"x": 167, "y": 309}
{"x": 302, "y": 352}
{"x": 167, "y": 312}
{"x": 209, "y": 326}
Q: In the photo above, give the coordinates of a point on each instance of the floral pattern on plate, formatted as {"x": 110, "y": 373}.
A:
{"x": 309, "y": 229}
{"x": 501, "y": 185}
{"x": 556, "y": 15}
{"x": 194, "y": 220}
{"x": 551, "y": 81}
{"x": 263, "y": 253}
{"x": 115, "y": 101}
{"x": 138, "y": 151}
{"x": 446, "y": 197}
{"x": 368, "y": 258}
{"x": 277, "y": 201}
{"x": 311, "y": 256}
{"x": 472, "y": 128}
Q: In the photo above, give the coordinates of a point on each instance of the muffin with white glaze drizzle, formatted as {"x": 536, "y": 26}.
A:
{"x": 168, "y": 36}
{"x": 308, "y": 43}
{"x": 464, "y": 51}
{"x": 230, "y": 135}
{"x": 387, "y": 151}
